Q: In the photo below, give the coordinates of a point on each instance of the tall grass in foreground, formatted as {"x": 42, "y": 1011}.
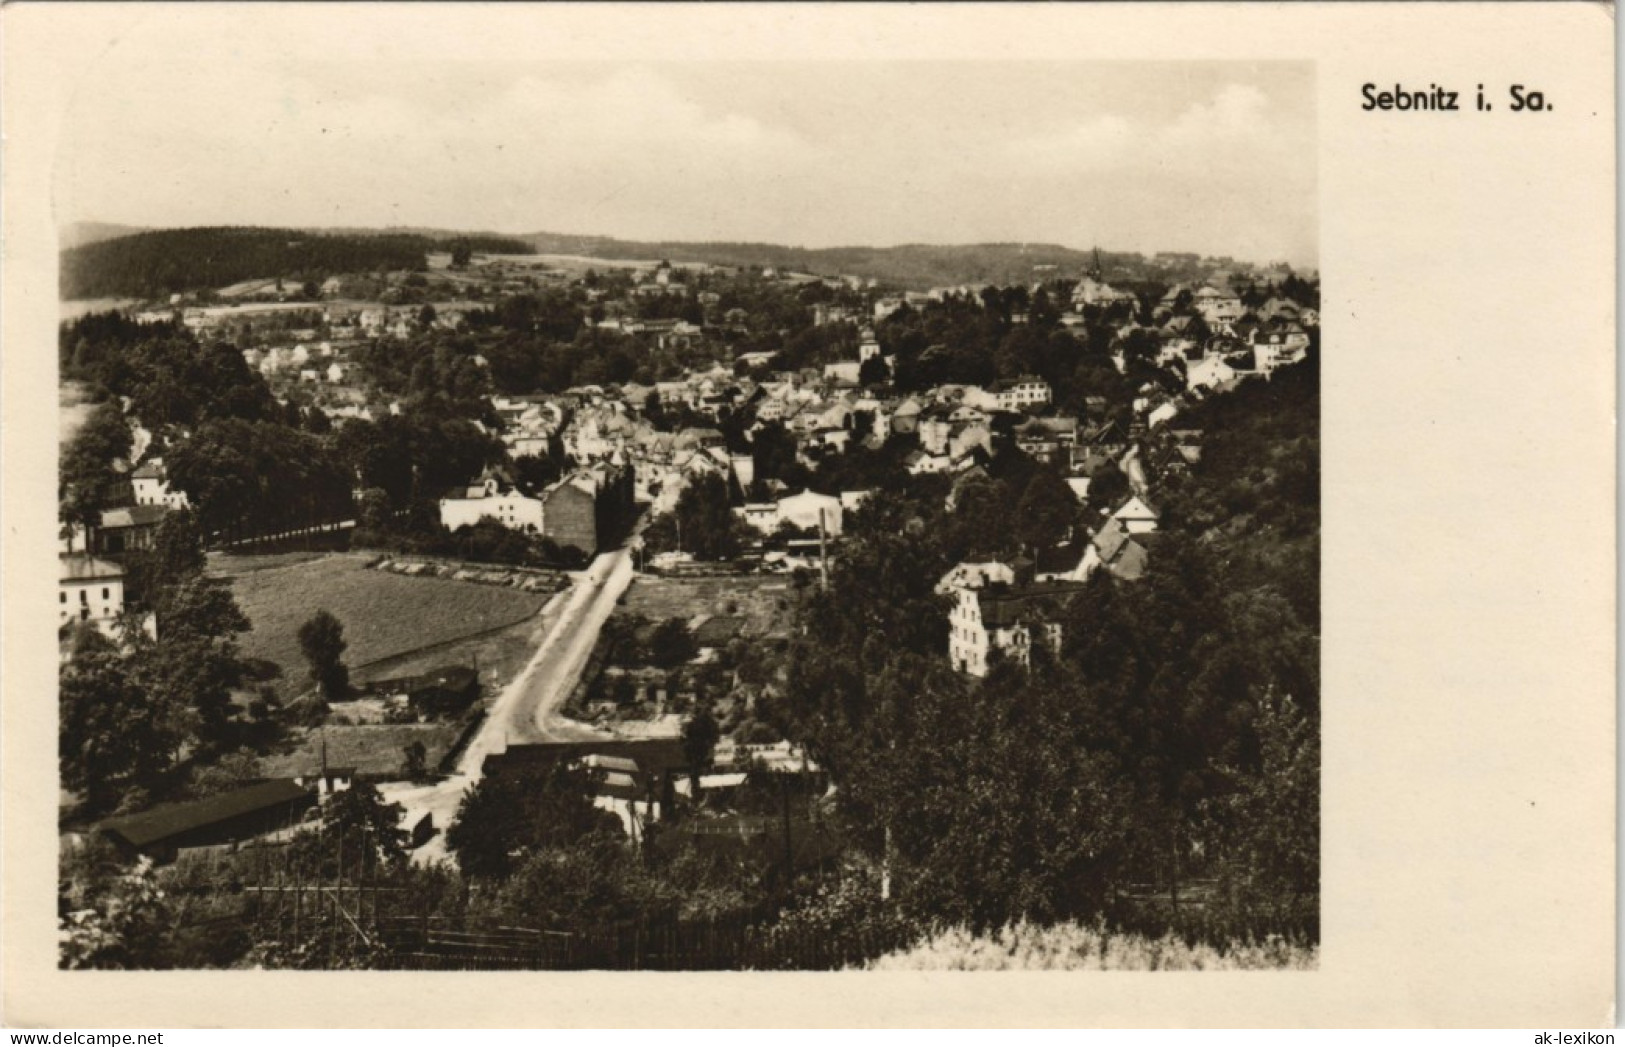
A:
{"x": 1077, "y": 947}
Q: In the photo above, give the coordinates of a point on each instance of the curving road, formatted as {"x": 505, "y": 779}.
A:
{"x": 527, "y": 710}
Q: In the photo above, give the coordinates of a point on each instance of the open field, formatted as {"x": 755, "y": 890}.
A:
{"x": 229, "y": 565}
{"x": 384, "y": 615}
{"x": 498, "y": 655}
{"x": 765, "y": 603}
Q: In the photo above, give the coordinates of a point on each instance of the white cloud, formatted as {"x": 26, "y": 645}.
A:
{"x": 642, "y": 152}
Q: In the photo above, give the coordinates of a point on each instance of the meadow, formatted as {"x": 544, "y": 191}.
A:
{"x": 384, "y": 615}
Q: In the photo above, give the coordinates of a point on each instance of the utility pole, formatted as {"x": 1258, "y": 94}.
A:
{"x": 823, "y": 553}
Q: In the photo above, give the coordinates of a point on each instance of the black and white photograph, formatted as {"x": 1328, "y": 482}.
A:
{"x": 802, "y": 515}
{"x": 690, "y": 516}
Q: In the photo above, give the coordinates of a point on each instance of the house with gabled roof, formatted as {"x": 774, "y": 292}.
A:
{"x": 150, "y": 481}
{"x": 1122, "y": 555}
{"x": 1136, "y": 516}
{"x": 129, "y": 528}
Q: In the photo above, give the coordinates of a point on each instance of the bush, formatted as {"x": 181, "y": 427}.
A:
{"x": 1085, "y": 947}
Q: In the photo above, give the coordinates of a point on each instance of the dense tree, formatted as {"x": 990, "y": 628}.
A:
{"x": 129, "y": 924}
{"x": 504, "y": 817}
{"x": 705, "y": 522}
{"x": 176, "y": 260}
{"x": 1269, "y": 825}
{"x": 248, "y": 478}
{"x": 701, "y": 732}
{"x": 88, "y": 478}
{"x": 195, "y": 662}
{"x": 176, "y": 555}
{"x": 321, "y": 640}
{"x": 671, "y": 644}
{"x": 1046, "y": 512}
{"x": 115, "y": 734}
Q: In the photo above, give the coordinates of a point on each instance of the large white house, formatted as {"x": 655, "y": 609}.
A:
{"x": 89, "y": 590}
{"x": 511, "y": 507}
{"x": 807, "y": 510}
{"x": 1216, "y": 306}
{"x": 1006, "y": 619}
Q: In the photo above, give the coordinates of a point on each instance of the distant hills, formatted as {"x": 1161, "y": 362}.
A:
{"x": 104, "y": 260}
{"x": 155, "y": 263}
{"x": 916, "y": 266}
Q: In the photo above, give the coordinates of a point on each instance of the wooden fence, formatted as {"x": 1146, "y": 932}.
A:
{"x": 733, "y": 943}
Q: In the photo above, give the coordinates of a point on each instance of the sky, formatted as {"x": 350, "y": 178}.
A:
{"x": 1213, "y": 157}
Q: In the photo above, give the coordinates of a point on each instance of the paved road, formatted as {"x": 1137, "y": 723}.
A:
{"x": 528, "y": 708}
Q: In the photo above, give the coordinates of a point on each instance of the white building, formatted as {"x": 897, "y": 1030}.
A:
{"x": 1005, "y": 619}
{"x": 90, "y": 590}
{"x": 1136, "y": 517}
{"x": 843, "y": 371}
{"x": 1017, "y": 393}
{"x": 151, "y": 485}
{"x": 1208, "y": 373}
{"x": 511, "y": 508}
{"x": 975, "y": 576}
{"x": 808, "y": 510}
{"x": 1217, "y": 307}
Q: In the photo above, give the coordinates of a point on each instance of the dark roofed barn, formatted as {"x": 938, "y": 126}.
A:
{"x": 242, "y": 814}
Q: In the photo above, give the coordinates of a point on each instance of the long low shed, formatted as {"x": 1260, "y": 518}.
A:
{"x": 242, "y": 814}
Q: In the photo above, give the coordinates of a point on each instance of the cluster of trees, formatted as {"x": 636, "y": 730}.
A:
{"x": 170, "y": 261}
{"x": 974, "y": 341}
{"x": 631, "y": 639}
{"x": 1172, "y": 738}
{"x": 132, "y": 713}
{"x": 702, "y": 524}
{"x": 247, "y": 463}
{"x": 84, "y": 342}
{"x": 532, "y": 851}
{"x": 254, "y": 478}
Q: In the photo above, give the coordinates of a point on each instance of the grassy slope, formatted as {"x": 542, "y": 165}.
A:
{"x": 383, "y": 614}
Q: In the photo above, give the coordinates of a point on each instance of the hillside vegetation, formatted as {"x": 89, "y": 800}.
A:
{"x": 170, "y": 261}
{"x": 1078, "y": 947}
{"x": 98, "y": 262}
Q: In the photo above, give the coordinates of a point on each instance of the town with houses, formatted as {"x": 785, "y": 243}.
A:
{"x": 639, "y": 509}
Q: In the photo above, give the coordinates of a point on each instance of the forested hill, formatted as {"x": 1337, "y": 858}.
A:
{"x": 160, "y": 262}
{"x": 915, "y": 266}
{"x": 167, "y": 261}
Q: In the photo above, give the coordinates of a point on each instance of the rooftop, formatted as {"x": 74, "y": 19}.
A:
{"x": 172, "y": 819}
{"x": 133, "y": 516}
{"x": 81, "y": 567}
